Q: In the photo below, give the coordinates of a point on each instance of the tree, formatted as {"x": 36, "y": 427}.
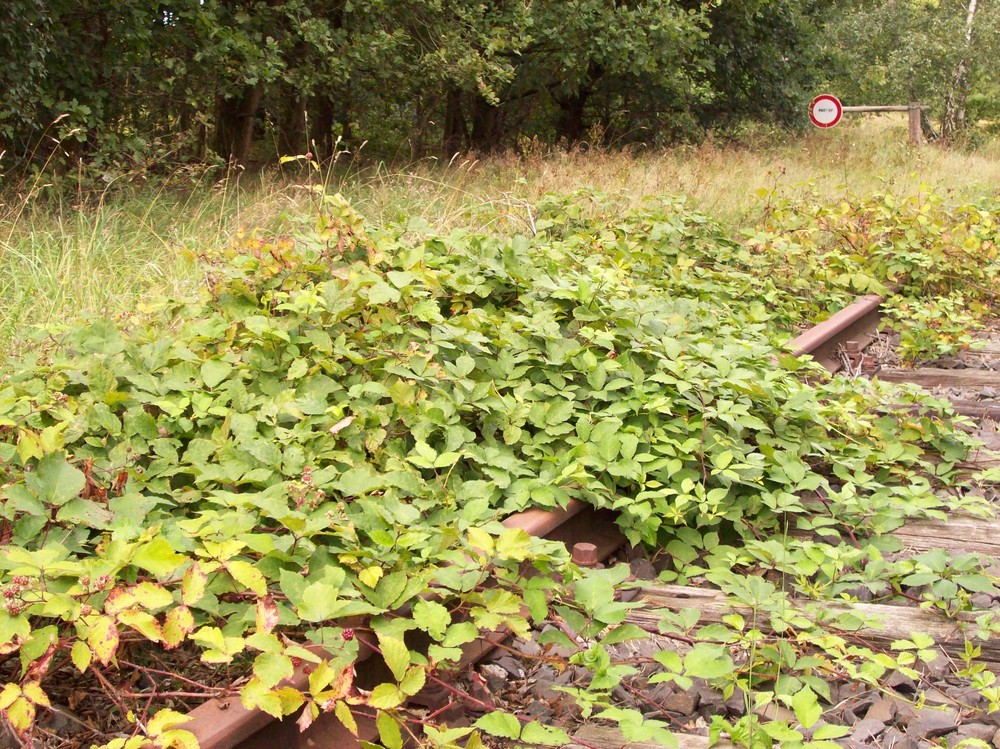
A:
{"x": 932, "y": 51}
{"x": 956, "y": 96}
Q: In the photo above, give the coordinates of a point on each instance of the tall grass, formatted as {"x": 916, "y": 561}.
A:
{"x": 63, "y": 256}
{"x": 726, "y": 181}
{"x": 60, "y": 258}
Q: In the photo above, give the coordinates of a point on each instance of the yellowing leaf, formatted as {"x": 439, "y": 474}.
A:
{"x": 177, "y": 625}
{"x": 248, "y": 576}
{"x": 480, "y": 539}
{"x": 8, "y": 694}
{"x": 33, "y": 691}
{"x": 413, "y": 681}
{"x": 388, "y": 731}
{"x": 81, "y": 655}
{"x": 272, "y": 668}
{"x": 158, "y": 557}
{"x": 178, "y": 740}
{"x": 143, "y": 622}
{"x": 266, "y": 614}
{"x": 165, "y": 719}
{"x": 103, "y": 639}
{"x": 513, "y": 544}
{"x": 193, "y": 585}
{"x": 344, "y": 715}
{"x": 28, "y": 445}
{"x": 371, "y": 575}
{"x": 432, "y": 617}
{"x": 21, "y": 714}
{"x": 342, "y": 424}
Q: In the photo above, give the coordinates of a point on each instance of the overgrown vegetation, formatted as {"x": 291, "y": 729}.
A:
{"x": 334, "y": 428}
{"x": 66, "y": 255}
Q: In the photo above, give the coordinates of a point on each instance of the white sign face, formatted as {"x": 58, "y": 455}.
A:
{"x": 825, "y": 111}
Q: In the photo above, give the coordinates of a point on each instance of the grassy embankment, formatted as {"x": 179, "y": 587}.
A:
{"x": 58, "y": 260}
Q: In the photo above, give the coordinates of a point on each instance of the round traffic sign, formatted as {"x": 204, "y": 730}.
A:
{"x": 825, "y": 110}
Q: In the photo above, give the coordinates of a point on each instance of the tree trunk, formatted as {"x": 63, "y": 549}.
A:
{"x": 420, "y": 122}
{"x": 292, "y": 126}
{"x": 346, "y": 131}
{"x": 486, "y": 120}
{"x": 234, "y": 124}
{"x": 321, "y": 132}
{"x": 455, "y": 132}
{"x": 570, "y": 124}
{"x": 954, "y": 104}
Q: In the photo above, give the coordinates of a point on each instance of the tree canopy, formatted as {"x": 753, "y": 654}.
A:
{"x": 190, "y": 80}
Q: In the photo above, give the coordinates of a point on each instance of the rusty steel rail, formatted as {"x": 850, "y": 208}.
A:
{"x": 856, "y": 322}
{"x": 223, "y": 723}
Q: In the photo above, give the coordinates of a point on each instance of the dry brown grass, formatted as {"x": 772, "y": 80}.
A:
{"x": 865, "y": 156}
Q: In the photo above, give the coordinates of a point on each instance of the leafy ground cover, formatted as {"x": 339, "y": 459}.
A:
{"x": 332, "y": 431}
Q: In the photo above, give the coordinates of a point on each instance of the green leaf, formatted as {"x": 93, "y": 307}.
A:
{"x": 158, "y": 558}
{"x": 386, "y": 697}
{"x": 459, "y": 634}
{"x": 706, "y": 661}
{"x": 432, "y": 617}
{"x": 593, "y": 592}
{"x": 830, "y": 731}
{"x": 500, "y": 724}
{"x": 396, "y": 655}
{"x": 55, "y": 481}
{"x": 272, "y": 668}
{"x": 388, "y": 731}
{"x": 807, "y": 709}
{"x": 535, "y": 733}
{"x": 464, "y": 365}
{"x": 623, "y": 633}
{"x": 214, "y": 371}
{"x": 975, "y": 583}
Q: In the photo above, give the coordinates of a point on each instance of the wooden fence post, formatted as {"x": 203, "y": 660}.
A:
{"x": 916, "y": 130}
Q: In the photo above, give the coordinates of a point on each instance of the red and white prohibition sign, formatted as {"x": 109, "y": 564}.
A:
{"x": 825, "y": 111}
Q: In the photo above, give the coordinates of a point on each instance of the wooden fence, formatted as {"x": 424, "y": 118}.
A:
{"x": 914, "y": 108}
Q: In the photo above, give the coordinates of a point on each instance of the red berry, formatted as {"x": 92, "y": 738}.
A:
{"x": 347, "y": 635}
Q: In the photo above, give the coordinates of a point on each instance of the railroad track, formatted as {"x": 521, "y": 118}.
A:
{"x": 836, "y": 344}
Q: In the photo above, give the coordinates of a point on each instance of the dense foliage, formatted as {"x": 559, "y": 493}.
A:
{"x": 138, "y": 81}
{"x": 141, "y": 83}
{"x": 930, "y": 51}
{"x": 331, "y": 434}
